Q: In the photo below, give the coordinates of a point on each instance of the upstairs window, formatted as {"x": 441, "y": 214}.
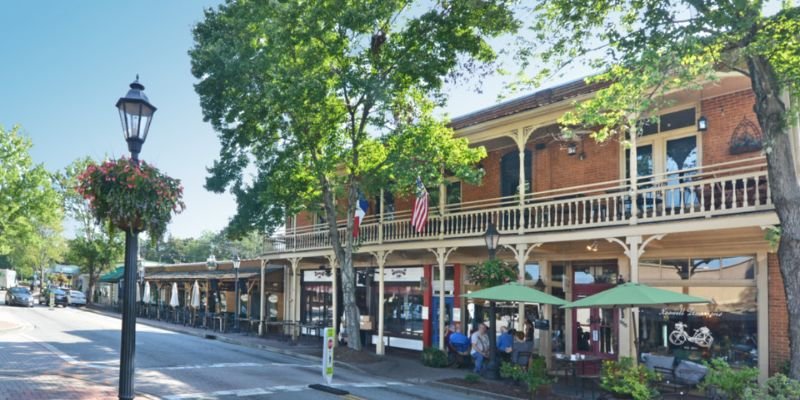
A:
{"x": 509, "y": 173}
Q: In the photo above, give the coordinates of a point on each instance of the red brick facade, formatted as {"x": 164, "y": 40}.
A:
{"x": 724, "y": 113}
{"x": 553, "y": 168}
{"x": 778, "y": 318}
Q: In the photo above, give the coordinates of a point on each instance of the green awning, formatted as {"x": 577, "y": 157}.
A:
{"x": 634, "y": 295}
{"x": 516, "y": 293}
{"x": 113, "y": 276}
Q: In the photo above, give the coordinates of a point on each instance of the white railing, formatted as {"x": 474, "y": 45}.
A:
{"x": 727, "y": 188}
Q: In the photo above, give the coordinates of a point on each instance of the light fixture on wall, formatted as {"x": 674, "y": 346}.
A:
{"x": 592, "y": 247}
{"x": 572, "y": 149}
{"x": 539, "y": 285}
{"x": 702, "y": 124}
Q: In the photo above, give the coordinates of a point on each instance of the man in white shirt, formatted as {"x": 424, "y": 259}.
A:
{"x": 480, "y": 347}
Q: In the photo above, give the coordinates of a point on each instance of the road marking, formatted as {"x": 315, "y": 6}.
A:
{"x": 280, "y": 389}
{"x": 227, "y": 365}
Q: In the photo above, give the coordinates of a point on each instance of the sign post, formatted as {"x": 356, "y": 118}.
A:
{"x": 52, "y": 300}
{"x": 327, "y": 354}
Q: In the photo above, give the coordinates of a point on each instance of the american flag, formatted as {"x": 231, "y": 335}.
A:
{"x": 419, "y": 217}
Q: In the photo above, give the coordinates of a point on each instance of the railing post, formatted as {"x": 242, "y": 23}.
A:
{"x": 380, "y": 222}
{"x": 442, "y": 203}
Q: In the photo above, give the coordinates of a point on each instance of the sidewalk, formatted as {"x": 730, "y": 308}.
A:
{"x": 396, "y": 365}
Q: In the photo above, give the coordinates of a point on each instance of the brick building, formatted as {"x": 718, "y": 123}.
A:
{"x": 682, "y": 208}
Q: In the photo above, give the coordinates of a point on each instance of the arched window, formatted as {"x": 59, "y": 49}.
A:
{"x": 509, "y": 173}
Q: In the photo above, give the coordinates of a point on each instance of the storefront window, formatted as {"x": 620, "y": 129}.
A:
{"x": 727, "y": 328}
{"x": 316, "y": 304}
{"x": 698, "y": 269}
{"x": 403, "y": 310}
{"x": 595, "y": 272}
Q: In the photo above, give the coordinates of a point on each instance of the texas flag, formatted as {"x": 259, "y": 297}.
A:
{"x": 361, "y": 211}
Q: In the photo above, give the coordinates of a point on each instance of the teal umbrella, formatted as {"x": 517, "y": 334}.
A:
{"x": 515, "y": 292}
{"x": 629, "y": 295}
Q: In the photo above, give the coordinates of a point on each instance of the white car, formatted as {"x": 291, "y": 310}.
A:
{"x": 77, "y": 298}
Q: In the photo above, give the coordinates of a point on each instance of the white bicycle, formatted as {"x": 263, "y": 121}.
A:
{"x": 702, "y": 337}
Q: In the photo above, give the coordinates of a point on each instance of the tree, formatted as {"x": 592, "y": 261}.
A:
{"x": 26, "y": 192}
{"x": 647, "y": 48}
{"x": 96, "y": 248}
{"x": 329, "y": 100}
{"x": 38, "y": 246}
{"x": 177, "y": 250}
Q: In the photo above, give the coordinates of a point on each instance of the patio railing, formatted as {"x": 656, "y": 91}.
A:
{"x": 727, "y": 188}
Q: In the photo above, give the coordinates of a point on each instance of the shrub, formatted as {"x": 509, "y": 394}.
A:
{"x": 534, "y": 378}
{"x": 778, "y": 387}
{"x": 623, "y": 378}
{"x": 728, "y": 383}
{"x": 472, "y": 378}
{"x": 433, "y": 357}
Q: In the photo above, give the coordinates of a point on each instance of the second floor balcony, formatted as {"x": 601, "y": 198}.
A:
{"x": 709, "y": 191}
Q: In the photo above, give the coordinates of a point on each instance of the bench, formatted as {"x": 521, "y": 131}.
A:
{"x": 675, "y": 377}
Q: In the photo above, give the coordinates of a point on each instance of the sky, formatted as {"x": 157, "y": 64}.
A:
{"x": 65, "y": 64}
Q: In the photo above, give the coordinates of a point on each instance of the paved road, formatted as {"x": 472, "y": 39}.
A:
{"x": 175, "y": 366}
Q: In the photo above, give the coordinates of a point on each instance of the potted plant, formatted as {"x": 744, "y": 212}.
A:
{"x": 722, "y": 382}
{"x": 132, "y": 197}
{"x": 625, "y": 380}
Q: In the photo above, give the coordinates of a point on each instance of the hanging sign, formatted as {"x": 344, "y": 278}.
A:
{"x": 327, "y": 354}
{"x": 273, "y": 298}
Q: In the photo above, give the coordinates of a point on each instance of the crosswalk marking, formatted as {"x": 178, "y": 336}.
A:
{"x": 281, "y": 389}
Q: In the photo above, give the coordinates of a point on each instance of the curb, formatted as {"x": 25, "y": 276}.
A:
{"x": 14, "y": 327}
{"x": 229, "y": 340}
{"x": 467, "y": 390}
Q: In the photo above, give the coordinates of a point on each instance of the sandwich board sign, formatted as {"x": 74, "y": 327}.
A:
{"x": 327, "y": 354}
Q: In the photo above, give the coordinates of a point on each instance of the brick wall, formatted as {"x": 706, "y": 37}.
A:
{"x": 490, "y": 186}
{"x": 778, "y": 317}
{"x": 554, "y": 168}
{"x": 724, "y": 113}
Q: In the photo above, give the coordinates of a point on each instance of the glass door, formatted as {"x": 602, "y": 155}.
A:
{"x": 681, "y": 154}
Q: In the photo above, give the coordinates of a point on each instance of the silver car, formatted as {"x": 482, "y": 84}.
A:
{"x": 77, "y": 298}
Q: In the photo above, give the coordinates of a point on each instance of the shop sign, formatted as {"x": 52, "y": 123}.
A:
{"x": 327, "y": 354}
{"x": 273, "y": 298}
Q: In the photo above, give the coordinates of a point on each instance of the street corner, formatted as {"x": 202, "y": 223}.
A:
{"x": 9, "y": 326}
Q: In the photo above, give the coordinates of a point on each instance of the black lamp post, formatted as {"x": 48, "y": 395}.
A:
{"x": 492, "y": 237}
{"x": 236, "y": 262}
{"x": 135, "y": 114}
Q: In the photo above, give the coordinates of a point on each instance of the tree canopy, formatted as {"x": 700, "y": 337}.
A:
{"x": 330, "y": 99}
{"x": 645, "y": 49}
{"x": 27, "y": 197}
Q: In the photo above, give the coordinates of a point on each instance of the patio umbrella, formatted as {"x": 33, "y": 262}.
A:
{"x": 195, "y": 295}
{"x": 515, "y": 292}
{"x": 173, "y": 301}
{"x": 138, "y": 294}
{"x": 146, "y": 295}
{"x": 629, "y": 295}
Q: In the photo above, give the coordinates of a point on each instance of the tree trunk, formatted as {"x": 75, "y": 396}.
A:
{"x": 344, "y": 255}
{"x": 92, "y": 283}
{"x": 771, "y": 113}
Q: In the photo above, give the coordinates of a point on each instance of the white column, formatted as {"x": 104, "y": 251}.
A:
{"x": 334, "y": 297}
{"x": 381, "y": 259}
{"x": 624, "y": 339}
{"x": 569, "y": 329}
{"x": 762, "y": 290}
{"x": 295, "y": 302}
{"x": 262, "y": 300}
{"x": 380, "y": 221}
{"x": 546, "y": 337}
{"x": 522, "y": 258}
{"x": 634, "y": 172}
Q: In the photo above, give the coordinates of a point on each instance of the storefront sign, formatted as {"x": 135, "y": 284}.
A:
{"x": 424, "y": 312}
{"x": 688, "y": 311}
{"x": 273, "y": 298}
{"x": 327, "y": 354}
{"x": 456, "y": 314}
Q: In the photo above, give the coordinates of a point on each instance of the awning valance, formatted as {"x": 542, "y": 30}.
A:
{"x": 191, "y": 275}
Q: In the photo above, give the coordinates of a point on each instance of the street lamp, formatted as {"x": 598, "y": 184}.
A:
{"x": 236, "y": 262}
{"x": 492, "y": 237}
{"x": 135, "y": 113}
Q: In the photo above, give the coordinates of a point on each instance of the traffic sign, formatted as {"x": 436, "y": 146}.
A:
{"x": 327, "y": 354}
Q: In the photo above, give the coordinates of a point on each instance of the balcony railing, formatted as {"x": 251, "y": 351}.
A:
{"x": 727, "y": 188}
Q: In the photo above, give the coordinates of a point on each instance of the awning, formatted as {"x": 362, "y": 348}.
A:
{"x": 113, "y": 276}
{"x": 190, "y": 275}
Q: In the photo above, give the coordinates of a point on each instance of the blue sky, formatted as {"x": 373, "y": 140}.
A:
{"x": 65, "y": 64}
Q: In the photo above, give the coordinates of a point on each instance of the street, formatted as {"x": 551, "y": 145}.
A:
{"x": 77, "y": 344}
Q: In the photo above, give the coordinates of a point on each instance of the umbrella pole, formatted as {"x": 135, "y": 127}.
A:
{"x": 635, "y": 337}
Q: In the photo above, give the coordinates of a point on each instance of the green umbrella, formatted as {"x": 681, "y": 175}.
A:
{"x": 516, "y": 293}
{"x": 634, "y": 295}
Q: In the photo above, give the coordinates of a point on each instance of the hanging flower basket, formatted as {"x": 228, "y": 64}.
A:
{"x": 133, "y": 198}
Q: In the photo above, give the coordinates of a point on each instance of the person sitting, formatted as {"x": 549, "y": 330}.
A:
{"x": 480, "y": 347}
{"x": 505, "y": 344}
{"x": 521, "y": 349}
{"x": 458, "y": 348}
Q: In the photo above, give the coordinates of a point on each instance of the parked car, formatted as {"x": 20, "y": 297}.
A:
{"x": 60, "y": 296}
{"x": 19, "y": 296}
{"x": 77, "y": 298}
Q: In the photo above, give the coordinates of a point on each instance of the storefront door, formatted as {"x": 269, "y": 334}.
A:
{"x": 595, "y": 329}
